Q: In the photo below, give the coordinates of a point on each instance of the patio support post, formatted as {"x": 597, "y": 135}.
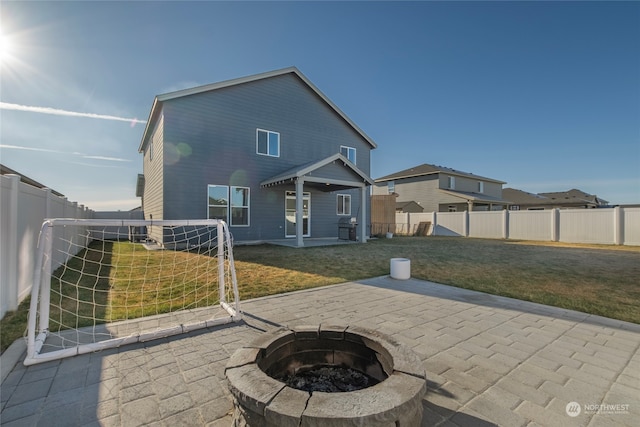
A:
{"x": 363, "y": 214}
{"x": 299, "y": 215}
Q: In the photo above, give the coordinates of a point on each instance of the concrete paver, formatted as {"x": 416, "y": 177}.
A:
{"x": 489, "y": 361}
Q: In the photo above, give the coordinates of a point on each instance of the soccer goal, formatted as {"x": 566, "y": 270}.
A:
{"x": 106, "y": 283}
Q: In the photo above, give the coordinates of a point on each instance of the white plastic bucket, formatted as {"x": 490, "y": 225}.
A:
{"x": 400, "y": 268}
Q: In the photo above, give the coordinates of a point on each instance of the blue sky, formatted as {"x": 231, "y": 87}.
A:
{"x": 542, "y": 95}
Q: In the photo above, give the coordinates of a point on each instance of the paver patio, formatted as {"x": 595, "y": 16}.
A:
{"x": 489, "y": 360}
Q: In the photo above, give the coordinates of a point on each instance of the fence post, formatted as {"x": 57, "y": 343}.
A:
{"x": 618, "y": 226}
{"x": 465, "y": 223}
{"x": 434, "y": 222}
{"x": 505, "y": 224}
{"x": 47, "y": 202}
{"x": 12, "y": 243}
{"x": 555, "y": 224}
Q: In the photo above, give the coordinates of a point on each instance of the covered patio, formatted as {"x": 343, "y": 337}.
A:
{"x": 330, "y": 174}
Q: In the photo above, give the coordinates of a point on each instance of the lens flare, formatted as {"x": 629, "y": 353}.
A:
{"x": 6, "y": 49}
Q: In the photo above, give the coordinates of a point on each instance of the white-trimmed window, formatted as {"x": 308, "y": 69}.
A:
{"x": 349, "y": 153}
{"x": 391, "y": 187}
{"x": 480, "y": 187}
{"x": 240, "y": 206}
{"x": 344, "y": 204}
{"x": 451, "y": 182}
{"x": 229, "y": 204}
{"x": 267, "y": 143}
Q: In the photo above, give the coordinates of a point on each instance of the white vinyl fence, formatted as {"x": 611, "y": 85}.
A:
{"x": 611, "y": 226}
{"x": 23, "y": 209}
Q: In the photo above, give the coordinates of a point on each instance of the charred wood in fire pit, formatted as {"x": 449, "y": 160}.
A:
{"x": 329, "y": 379}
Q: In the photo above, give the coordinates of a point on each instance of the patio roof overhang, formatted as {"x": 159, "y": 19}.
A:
{"x": 317, "y": 175}
{"x": 476, "y": 198}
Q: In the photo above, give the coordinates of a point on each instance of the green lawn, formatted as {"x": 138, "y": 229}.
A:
{"x": 601, "y": 280}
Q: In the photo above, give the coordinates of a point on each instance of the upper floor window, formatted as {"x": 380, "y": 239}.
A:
{"x": 480, "y": 187}
{"x": 267, "y": 143}
{"x": 344, "y": 204}
{"x": 391, "y": 187}
{"x": 451, "y": 182}
{"x": 349, "y": 153}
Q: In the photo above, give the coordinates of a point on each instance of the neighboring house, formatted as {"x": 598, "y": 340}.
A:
{"x": 5, "y": 170}
{"x": 441, "y": 189}
{"x": 574, "y": 199}
{"x": 268, "y": 153}
{"x": 409, "y": 207}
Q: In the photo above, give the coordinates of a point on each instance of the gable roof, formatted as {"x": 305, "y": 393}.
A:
{"x": 410, "y": 206}
{"x": 427, "y": 169}
{"x": 159, "y": 99}
{"x": 306, "y": 169}
{"x": 560, "y": 198}
{"x": 476, "y": 197}
{"x": 576, "y": 196}
{"x": 519, "y": 197}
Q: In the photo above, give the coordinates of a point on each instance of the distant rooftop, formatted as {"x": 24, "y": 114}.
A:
{"x": 427, "y": 169}
{"x": 5, "y": 170}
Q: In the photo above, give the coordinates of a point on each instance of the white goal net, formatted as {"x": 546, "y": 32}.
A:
{"x": 104, "y": 283}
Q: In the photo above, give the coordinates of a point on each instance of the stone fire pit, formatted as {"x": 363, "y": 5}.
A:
{"x": 387, "y": 379}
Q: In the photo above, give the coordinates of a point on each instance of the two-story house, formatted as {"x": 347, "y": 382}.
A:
{"x": 572, "y": 199}
{"x": 269, "y": 153}
{"x": 441, "y": 189}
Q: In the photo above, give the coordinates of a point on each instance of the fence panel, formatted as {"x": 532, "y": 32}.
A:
{"x": 8, "y": 243}
{"x": 618, "y": 226}
{"x": 409, "y": 224}
{"x": 450, "y": 224}
{"x": 32, "y": 202}
{"x": 531, "y": 225}
{"x": 631, "y": 226}
{"x": 23, "y": 209}
{"x": 487, "y": 225}
{"x": 587, "y": 226}
{"x": 402, "y": 226}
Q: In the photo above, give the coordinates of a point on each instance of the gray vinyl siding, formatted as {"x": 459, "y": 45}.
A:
{"x": 492, "y": 189}
{"x": 422, "y": 190}
{"x": 153, "y": 173}
{"x": 210, "y": 138}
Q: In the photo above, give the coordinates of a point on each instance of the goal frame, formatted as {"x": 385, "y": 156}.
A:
{"x": 38, "y": 320}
